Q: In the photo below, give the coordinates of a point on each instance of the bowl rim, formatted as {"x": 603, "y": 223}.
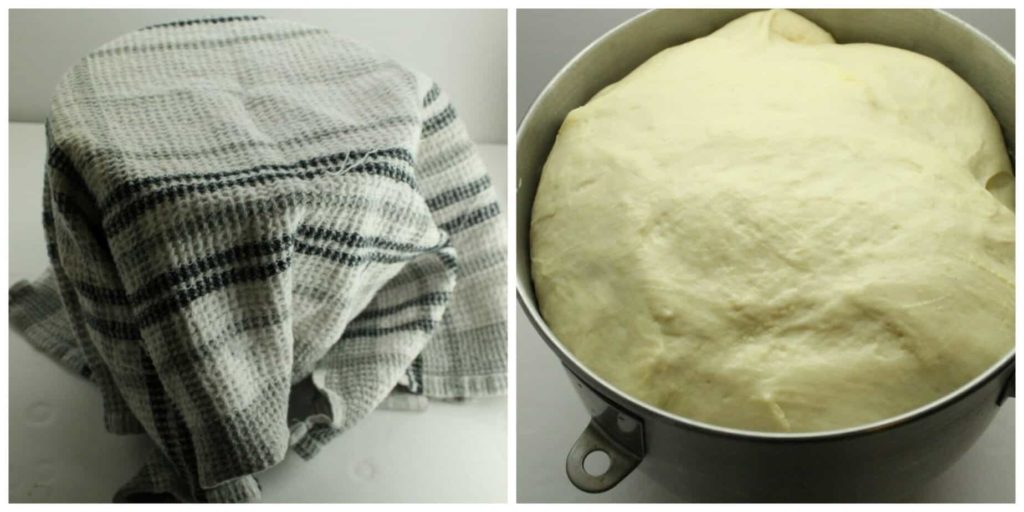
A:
{"x": 610, "y": 393}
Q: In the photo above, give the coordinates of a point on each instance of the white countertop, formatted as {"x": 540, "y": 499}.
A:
{"x": 59, "y": 451}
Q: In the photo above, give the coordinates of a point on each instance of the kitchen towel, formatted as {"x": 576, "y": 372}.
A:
{"x": 258, "y": 233}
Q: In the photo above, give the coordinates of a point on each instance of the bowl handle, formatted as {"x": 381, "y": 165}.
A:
{"x": 611, "y": 430}
{"x": 623, "y": 462}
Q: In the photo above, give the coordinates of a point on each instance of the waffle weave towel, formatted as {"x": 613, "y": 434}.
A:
{"x": 241, "y": 209}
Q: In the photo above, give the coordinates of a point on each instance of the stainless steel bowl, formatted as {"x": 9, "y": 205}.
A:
{"x": 875, "y": 462}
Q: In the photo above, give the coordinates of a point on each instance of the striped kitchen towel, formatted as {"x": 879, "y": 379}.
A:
{"x": 258, "y": 231}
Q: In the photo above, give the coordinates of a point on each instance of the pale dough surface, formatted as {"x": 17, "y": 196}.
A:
{"x": 765, "y": 230}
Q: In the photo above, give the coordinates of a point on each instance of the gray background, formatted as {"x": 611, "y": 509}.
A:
{"x": 463, "y": 50}
{"x": 549, "y": 415}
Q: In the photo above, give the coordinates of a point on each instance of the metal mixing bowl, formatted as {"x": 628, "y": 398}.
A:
{"x": 876, "y": 461}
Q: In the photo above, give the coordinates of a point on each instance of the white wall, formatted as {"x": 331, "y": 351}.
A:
{"x": 463, "y": 50}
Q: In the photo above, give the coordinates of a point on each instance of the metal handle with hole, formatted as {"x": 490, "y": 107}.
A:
{"x": 622, "y": 462}
{"x": 613, "y": 431}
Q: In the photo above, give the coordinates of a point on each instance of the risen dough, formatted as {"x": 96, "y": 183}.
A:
{"x": 765, "y": 230}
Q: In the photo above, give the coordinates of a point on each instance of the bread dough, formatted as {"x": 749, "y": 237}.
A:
{"x": 765, "y": 230}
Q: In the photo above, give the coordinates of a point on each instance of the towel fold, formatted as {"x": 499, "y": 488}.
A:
{"x": 258, "y": 232}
